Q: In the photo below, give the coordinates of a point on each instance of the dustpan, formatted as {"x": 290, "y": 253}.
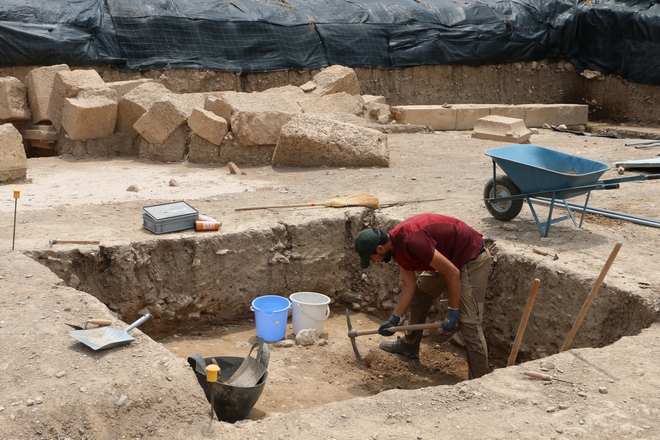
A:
{"x": 251, "y": 369}
{"x": 107, "y": 337}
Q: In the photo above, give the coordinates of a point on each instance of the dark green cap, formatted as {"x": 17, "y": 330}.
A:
{"x": 365, "y": 245}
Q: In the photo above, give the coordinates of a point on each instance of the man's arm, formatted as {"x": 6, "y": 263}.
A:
{"x": 452, "y": 275}
{"x": 407, "y": 291}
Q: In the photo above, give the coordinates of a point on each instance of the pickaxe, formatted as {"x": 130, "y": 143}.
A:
{"x": 56, "y": 241}
{"x": 400, "y": 328}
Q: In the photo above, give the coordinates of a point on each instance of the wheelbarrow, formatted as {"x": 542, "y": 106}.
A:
{"x": 533, "y": 171}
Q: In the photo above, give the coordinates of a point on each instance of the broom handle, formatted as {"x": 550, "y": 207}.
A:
{"x": 248, "y": 208}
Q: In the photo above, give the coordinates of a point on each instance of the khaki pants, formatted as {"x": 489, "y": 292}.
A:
{"x": 431, "y": 285}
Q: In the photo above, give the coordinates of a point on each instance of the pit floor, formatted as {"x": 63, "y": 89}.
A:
{"x": 304, "y": 377}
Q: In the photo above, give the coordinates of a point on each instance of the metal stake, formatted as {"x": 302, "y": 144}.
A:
{"x": 17, "y": 195}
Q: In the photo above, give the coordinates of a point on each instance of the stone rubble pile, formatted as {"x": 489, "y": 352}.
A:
{"x": 60, "y": 111}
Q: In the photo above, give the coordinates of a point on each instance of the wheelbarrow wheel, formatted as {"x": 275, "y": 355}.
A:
{"x": 505, "y": 210}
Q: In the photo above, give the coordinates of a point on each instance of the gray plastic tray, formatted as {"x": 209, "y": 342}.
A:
{"x": 169, "y": 217}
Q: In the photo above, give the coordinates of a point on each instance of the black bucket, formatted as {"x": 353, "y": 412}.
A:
{"x": 230, "y": 403}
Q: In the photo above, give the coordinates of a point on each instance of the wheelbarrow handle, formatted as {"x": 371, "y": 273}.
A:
{"x": 611, "y": 186}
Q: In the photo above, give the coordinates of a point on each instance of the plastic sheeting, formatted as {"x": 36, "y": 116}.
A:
{"x": 619, "y": 38}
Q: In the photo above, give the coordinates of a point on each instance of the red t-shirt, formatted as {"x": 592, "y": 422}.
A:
{"x": 415, "y": 240}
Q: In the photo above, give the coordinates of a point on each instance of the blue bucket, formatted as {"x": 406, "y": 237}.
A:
{"x": 270, "y": 314}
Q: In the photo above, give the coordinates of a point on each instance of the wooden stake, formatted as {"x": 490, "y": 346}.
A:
{"x": 590, "y": 298}
{"x": 523, "y": 322}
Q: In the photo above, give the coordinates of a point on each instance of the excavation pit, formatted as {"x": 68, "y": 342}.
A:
{"x": 192, "y": 279}
{"x": 199, "y": 291}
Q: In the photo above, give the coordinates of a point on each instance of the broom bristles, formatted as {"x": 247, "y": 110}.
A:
{"x": 354, "y": 200}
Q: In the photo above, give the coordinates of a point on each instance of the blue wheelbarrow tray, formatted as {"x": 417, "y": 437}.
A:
{"x": 541, "y": 172}
{"x": 536, "y": 169}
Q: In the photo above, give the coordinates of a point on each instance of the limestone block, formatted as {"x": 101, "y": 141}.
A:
{"x": 538, "y": 114}
{"x": 203, "y": 151}
{"x": 340, "y": 102}
{"x": 510, "y": 111}
{"x": 67, "y": 84}
{"x": 435, "y": 116}
{"x": 208, "y": 125}
{"x": 313, "y": 141}
{"x": 231, "y": 150}
{"x": 173, "y": 149}
{"x": 41, "y": 133}
{"x": 336, "y": 79}
{"x": 123, "y": 87}
{"x": 39, "y": 83}
{"x": 379, "y": 99}
{"x": 573, "y": 114}
{"x": 501, "y": 128}
{"x": 13, "y": 161}
{"x": 467, "y": 114}
{"x": 89, "y": 118}
{"x": 268, "y": 111}
{"x": 290, "y": 89}
{"x": 13, "y": 100}
{"x": 118, "y": 144}
{"x": 375, "y": 111}
{"x": 137, "y": 102}
{"x": 162, "y": 119}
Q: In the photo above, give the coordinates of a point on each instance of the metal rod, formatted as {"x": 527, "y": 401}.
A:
{"x": 14, "y": 235}
{"x": 647, "y": 221}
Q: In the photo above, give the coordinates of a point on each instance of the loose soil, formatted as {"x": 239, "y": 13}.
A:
{"x": 308, "y": 376}
{"x": 54, "y": 387}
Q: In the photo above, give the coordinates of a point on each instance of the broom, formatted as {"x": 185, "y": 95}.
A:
{"x": 338, "y": 202}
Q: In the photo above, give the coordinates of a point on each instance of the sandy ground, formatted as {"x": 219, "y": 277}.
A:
{"x": 54, "y": 388}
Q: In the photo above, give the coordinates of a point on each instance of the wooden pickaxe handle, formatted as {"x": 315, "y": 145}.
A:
{"x": 352, "y": 334}
{"x": 398, "y": 328}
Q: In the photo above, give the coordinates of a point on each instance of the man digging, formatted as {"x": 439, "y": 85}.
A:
{"x": 450, "y": 257}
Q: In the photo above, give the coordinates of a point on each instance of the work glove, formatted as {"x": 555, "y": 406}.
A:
{"x": 451, "y": 321}
{"x": 392, "y": 322}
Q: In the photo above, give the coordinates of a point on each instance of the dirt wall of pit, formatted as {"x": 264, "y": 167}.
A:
{"x": 610, "y": 98}
{"x": 191, "y": 284}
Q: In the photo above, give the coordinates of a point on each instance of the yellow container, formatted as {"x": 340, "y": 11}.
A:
{"x": 212, "y": 373}
{"x": 17, "y": 194}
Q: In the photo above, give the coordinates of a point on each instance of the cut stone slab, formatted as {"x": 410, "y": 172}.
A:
{"x": 437, "y": 117}
{"x": 67, "y": 84}
{"x": 202, "y": 151}
{"x": 335, "y": 79}
{"x": 501, "y": 128}
{"x": 573, "y": 114}
{"x": 208, "y": 125}
{"x": 255, "y": 118}
{"x": 172, "y": 149}
{"x": 313, "y": 141}
{"x": 165, "y": 116}
{"x": 13, "y": 100}
{"x": 13, "y": 161}
{"x": 510, "y": 111}
{"x": 538, "y": 114}
{"x": 39, "y": 83}
{"x": 89, "y": 118}
{"x": 340, "y": 102}
{"x": 123, "y": 87}
{"x": 467, "y": 114}
{"x": 137, "y": 102}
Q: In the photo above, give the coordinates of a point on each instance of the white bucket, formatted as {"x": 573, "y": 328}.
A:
{"x": 309, "y": 310}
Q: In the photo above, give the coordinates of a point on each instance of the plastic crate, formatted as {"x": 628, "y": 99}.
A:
{"x": 169, "y": 217}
